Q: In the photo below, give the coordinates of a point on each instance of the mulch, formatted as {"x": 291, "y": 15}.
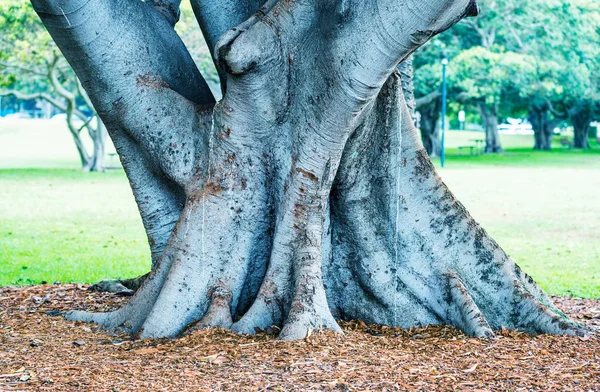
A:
{"x": 39, "y": 352}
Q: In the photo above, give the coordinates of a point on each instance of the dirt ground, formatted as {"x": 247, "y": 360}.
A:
{"x": 39, "y": 352}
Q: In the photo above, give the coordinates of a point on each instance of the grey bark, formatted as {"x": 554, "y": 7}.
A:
{"x": 304, "y": 195}
{"x": 408, "y": 88}
{"x": 489, "y": 116}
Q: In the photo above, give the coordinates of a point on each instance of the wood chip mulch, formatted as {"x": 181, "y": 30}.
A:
{"x": 39, "y": 352}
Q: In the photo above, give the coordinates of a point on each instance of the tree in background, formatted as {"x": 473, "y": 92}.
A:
{"x": 565, "y": 83}
{"x": 491, "y": 81}
{"x": 537, "y": 95}
{"x": 32, "y": 68}
{"x": 556, "y": 70}
{"x": 428, "y": 95}
{"x": 580, "y": 60}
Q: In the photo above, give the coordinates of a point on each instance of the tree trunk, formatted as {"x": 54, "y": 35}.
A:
{"x": 304, "y": 195}
{"x": 489, "y": 115}
{"x": 581, "y": 118}
{"x": 96, "y": 163}
{"x": 84, "y": 157}
{"x": 543, "y": 127}
{"x": 430, "y": 127}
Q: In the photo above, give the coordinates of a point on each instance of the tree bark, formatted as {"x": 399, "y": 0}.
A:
{"x": 304, "y": 195}
{"x": 581, "y": 116}
{"x": 489, "y": 115}
{"x": 543, "y": 126}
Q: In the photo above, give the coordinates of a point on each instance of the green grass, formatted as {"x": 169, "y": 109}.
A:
{"x": 68, "y": 226}
{"x": 60, "y": 224}
{"x": 518, "y": 152}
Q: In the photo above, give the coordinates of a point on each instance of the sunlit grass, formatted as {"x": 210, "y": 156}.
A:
{"x": 68, "y": 226}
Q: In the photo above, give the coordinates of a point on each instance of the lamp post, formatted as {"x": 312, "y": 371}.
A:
{"x": 442, "y": 152}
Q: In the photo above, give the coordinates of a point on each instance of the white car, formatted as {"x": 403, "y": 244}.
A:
{"x": 19, "y": 115}
{"x": 523, "y": 128}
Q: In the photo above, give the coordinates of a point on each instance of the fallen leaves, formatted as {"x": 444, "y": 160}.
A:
{"x": 40, "y": 352}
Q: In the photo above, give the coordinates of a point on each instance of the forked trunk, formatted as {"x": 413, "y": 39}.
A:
{"x": 304, "y": 195}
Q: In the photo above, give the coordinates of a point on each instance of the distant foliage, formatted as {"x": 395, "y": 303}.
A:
{"x": 520, "y": 54}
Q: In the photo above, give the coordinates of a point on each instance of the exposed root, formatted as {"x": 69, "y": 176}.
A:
{"x": 470, "y": 319}
{"x": 116, "y": 322}
{"x": 131, "y": 317}
{"x": 112, "y": 286}
{"x": 534, "y": 317}
{"x": 266, "y": 311}
{"x": 219, "y": 310}
{"x": 305, "y": 317}
{"x": 123, "y": 287}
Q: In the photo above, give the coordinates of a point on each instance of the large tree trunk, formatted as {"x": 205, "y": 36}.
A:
{"x": 489, "y": 116}
{"x": 581, "y": 118}
{"x": 304, "y": 195}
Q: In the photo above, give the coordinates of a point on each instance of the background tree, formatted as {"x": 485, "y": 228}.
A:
{"x": 538, "y": 93}
{"x": 557, "y": 70}
{"x": 32, "y": 68}
{"x": 565, "y": 84}
{"x": 304, "y": 194}
{"x": 489, "y": 80}
{"x": 580, "y": 71}
{"x": 428, "y": 95}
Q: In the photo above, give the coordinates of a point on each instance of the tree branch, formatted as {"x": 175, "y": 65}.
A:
{"x": 29, "y": 97}
{"x": 169, "y": 9}
{"x": 55, "y": 82}
{"x": 215, "y": 18}
{"x": 554, "y": 111}
{"x": 22, "y": 68}
{"x": 137, "y": 73}
{"x": 428, "y": 99}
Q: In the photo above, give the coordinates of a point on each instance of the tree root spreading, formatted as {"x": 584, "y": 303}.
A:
{"x": 47, "y": 353}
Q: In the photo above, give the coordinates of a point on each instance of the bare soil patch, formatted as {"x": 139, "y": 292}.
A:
{"x": 39, "y": 352}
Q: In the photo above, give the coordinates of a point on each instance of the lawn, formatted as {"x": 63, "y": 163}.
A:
{"x": 60, "y": 224}
{"x": 69, "y": 226}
